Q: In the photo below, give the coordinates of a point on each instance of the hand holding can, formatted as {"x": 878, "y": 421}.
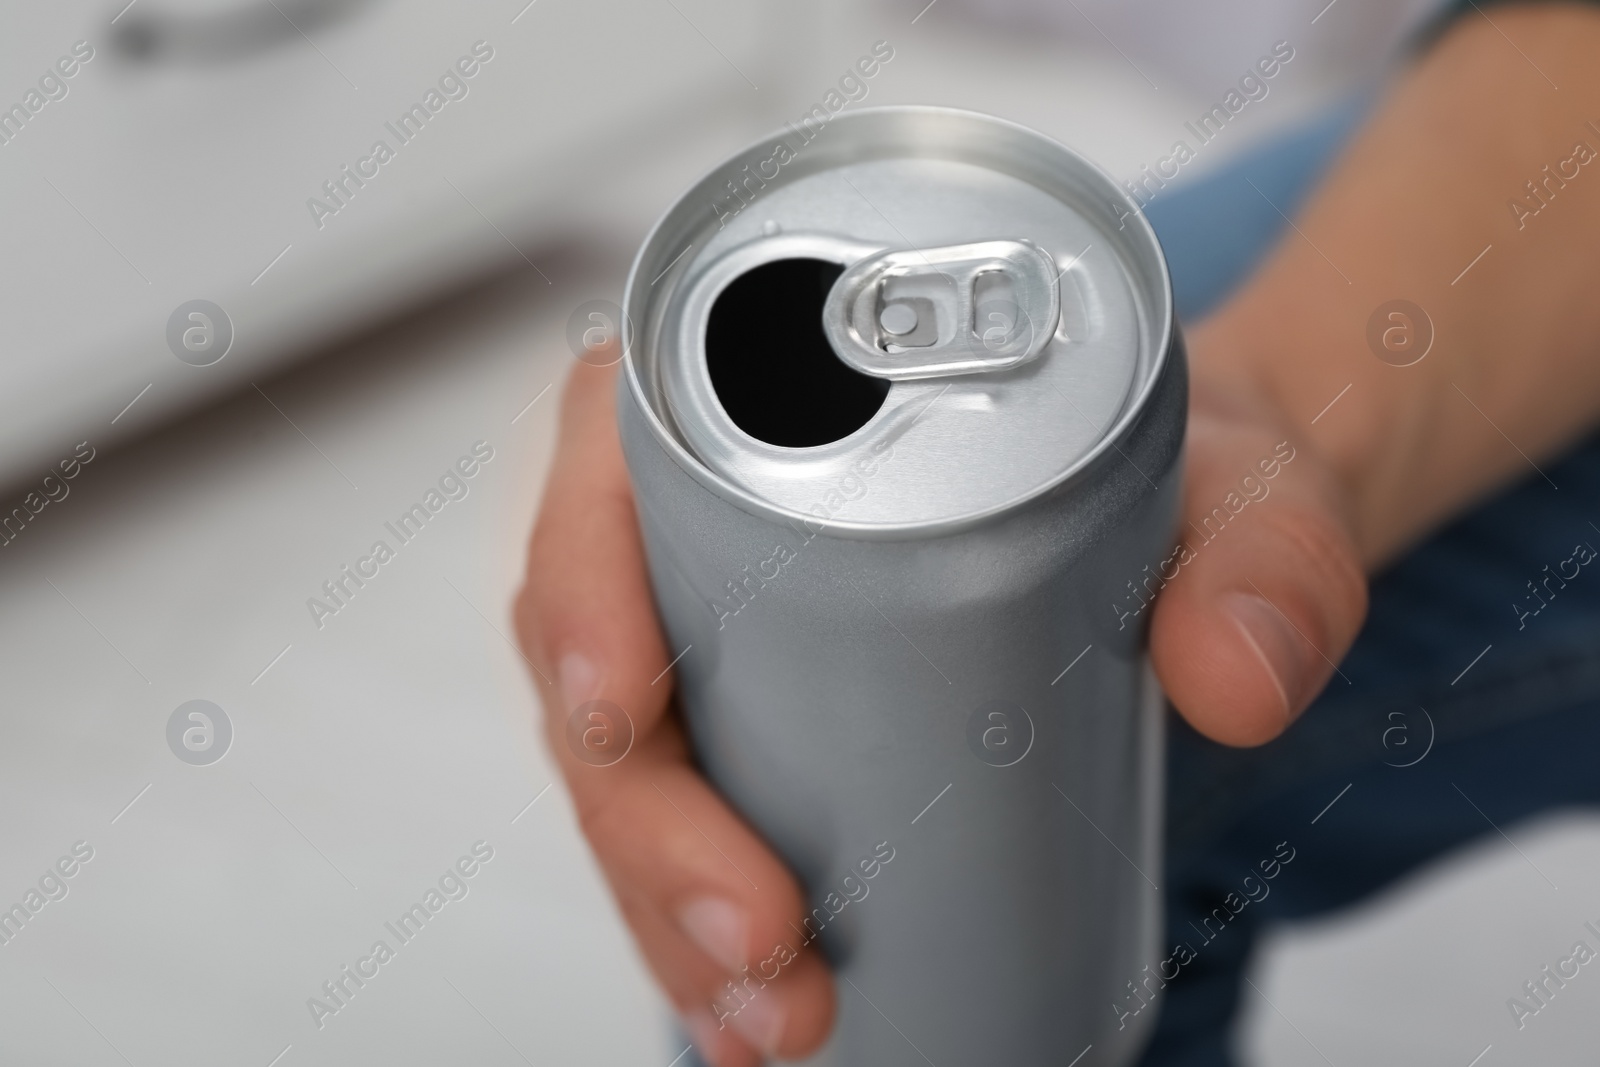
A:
{"x": 1232, "y": 660}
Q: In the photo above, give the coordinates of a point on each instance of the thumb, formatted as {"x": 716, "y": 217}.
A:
{"x": 1269, "y": 591}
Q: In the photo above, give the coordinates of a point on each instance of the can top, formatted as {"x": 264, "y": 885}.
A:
{"x": 899, "y": 322}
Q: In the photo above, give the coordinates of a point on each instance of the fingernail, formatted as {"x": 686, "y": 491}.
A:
{"x": 721, "y": 929}
{"x": 706, "y": 1035}
{"x": 578, "y": 678}
{"x": 1275, "y": 643}
{"x": 760, "y": 1021}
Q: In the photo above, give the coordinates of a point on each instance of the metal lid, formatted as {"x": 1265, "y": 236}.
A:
{"x": 1011, "y": 294}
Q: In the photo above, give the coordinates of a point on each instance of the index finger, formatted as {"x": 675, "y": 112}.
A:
{"x": 574, "y": 617}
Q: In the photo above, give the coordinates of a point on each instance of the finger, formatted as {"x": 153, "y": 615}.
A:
{"x": 703, "y": 894}
{"x": 1269, "y": 591}
{"x": 718, "y": 916}
{"x": 586, "y": 608}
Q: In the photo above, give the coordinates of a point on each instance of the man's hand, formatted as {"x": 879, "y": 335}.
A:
{"x": 1248, "y": 632}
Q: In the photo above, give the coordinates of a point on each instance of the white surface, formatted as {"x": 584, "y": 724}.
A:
{"x": 1420, "y": 976}
{"x": 150, "y": 185}
{"x": 1197, "y": 45}
{"x": 391, "y": 739}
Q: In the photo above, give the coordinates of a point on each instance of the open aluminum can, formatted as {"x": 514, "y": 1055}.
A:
{"x": 903, "y": 408}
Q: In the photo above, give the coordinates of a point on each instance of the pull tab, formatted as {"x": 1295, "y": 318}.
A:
{"x": 960, "y": 309}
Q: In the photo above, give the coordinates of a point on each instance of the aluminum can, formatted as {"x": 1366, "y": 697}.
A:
{"x": 903, "y": 406}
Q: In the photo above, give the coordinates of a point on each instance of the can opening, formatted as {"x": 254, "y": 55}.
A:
{"x": 771, "y": 365}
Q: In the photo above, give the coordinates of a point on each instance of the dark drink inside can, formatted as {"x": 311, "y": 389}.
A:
{"x": 903, "y": 408}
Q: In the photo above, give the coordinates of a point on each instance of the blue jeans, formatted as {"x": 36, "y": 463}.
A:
{"x": 1454, "y": 707}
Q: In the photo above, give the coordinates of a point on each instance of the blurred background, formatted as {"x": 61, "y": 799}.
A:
{"x": 272, "y": 338}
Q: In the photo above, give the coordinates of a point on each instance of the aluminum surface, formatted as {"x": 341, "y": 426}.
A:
{"x": 929, "y": 666}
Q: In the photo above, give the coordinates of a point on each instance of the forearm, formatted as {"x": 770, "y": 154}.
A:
{"x": 1513, "y": 374}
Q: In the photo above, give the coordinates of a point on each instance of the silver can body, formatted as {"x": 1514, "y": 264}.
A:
{"x": 927, "y": 689}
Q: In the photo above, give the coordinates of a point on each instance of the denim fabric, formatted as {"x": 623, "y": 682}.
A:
{"x": 1458, "y": 703}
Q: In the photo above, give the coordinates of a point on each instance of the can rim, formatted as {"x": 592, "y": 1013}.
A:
{"x": 748, "y": 501}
